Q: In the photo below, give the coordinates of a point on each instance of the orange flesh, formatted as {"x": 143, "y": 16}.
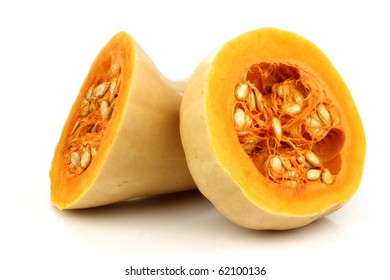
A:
{"x": 298, "y": 103}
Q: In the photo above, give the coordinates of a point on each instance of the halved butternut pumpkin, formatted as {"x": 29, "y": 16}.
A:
{"x": 271, "y": 134}
{"x": 121, "y": 139}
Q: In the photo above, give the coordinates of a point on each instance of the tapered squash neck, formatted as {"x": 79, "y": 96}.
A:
{"x": 123, "y": 126}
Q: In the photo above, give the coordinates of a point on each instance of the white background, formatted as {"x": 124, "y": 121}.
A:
{"x": 46, "y": 49}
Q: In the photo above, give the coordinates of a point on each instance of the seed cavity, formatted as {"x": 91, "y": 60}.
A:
{"x": 281, "y": 113}
{"x": 93, "y": 116}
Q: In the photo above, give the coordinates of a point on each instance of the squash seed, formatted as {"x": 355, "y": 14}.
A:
{"x": 298, "y": 99}
{"x": 113, "y": 88}
{"x": 88, "y": 96}
{"x": 101, "y": 89}
{"x": 75, "y": 126}
{"x": 239, "y": 118}
{"x": 85, "y": 111}
{"x": 313, "y": 174}
{"x": 301, "y": 159}
{"x": 118, "y": 83}
{"x": 316, "y": 129}
{"x": 242, "y": 91}
{"x": 291, "y": 175}
{"x": 104, "y": 109}
{"x": 313, "y": 123}
{"x": 85, "y": 158}
{"x": 248, "y": 122}
{"x": 93, "y": 151}
{"x": 324, "y": 115}
{"x": 259, "y": 101}
{"x": 312, "y": 158}
{"x": 275, "y": 164}
{"x": 326, "y": 177}
{"x": 252, "y": 101}
{"x": 293, "y": 109}
{"x": 75, "y": 159}
{"x": 279, "y": 91}
{"x": 277, "y": 128}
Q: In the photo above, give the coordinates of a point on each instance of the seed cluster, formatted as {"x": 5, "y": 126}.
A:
{"x": 280, "y": 113}
{"x": 93, "y": 118}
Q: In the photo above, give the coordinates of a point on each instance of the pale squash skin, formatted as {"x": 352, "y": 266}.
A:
{"x": 141, "y": 154}
{"x": 221, "y": 169}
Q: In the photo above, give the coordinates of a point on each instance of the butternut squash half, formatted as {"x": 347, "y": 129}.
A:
{"x": 121, "y": 139}
{"x": 270, "y": 131}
